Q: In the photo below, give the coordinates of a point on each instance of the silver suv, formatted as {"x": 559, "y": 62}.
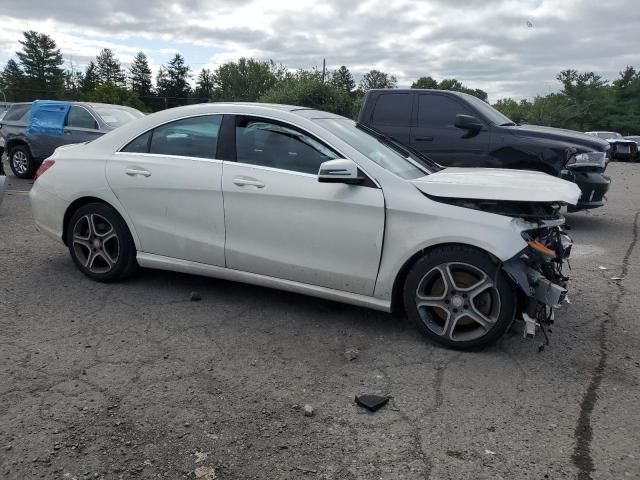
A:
{"x": 83, "y": 123}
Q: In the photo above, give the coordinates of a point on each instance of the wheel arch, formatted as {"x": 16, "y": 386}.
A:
{"x": 85, "y": 200}
{"x": 397, "y": 304}
{"x": 16, "y": 142}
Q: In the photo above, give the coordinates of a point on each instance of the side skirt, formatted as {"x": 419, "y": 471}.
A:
{"x": 149, "y": 260}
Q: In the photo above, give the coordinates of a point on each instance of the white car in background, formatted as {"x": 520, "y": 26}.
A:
{"x": 621, "y": 147}
{"x": 308, "y": 201}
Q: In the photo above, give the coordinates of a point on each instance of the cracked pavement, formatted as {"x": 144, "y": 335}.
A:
{"x": 132, "y": 380}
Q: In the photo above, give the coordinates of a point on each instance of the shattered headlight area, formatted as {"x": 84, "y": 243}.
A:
{"x": 539, "y": 271}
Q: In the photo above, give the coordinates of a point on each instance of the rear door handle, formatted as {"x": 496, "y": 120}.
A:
{"x": 247, "y": 182}
{"x": 424, "y": 139}
{"x": 132, "y": 171}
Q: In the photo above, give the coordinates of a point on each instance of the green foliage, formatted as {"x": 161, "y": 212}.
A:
{"x": 245, "y": 80}
{"x": 41, "y": 61}
{"x": 108, "y": 68}
{"x": 307, "y": 89}
{"x": 449, "y": 84}
{"x": 110, "y": 93}
{"x": 343, "y": 79}
{"x": 140, "y": 76}
{"x": 586, "y": 102}
{"x": 377, "y": 79}
{"x": 205, "y": 84}
{"x": 72, "y": 83}
{"x": 11, "y": 82}
{"x": 173, "y": 81}
{"x": 425, "y": 82}
{"x": 90, "y": 79}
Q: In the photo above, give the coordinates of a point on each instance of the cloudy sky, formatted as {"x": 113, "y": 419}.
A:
{"x": 506, "y": 47}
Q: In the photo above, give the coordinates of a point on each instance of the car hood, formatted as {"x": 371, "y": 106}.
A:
{"x": 498, "y": 184}
{"x": 561, "y": 134}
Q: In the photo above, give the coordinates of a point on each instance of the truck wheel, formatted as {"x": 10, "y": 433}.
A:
{"x": 459, "y": 297}
{"x": 21, "y": 162}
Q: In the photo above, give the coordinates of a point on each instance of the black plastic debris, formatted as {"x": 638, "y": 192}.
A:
{"x": 372, "y": 402}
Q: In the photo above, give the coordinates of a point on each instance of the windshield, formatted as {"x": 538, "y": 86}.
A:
{"x": 606, "y": 135}
{"x": 488, "y": 112}
{"x": 373, "y": 149}
{"x": 116, "y": 117}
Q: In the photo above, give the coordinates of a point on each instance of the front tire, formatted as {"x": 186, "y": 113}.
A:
{"x": 21, "y": 162}
{"x": 459, "y": 297}
{"x": 100, "y": 243}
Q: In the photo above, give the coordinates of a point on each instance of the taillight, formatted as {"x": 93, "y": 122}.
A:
{"x": 46, "y": 165}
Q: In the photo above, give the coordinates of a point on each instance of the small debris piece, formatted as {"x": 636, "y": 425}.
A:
{"x": 601, "y": 267}
{"x": 201, "y": 456}
{"x": 195, "y": 297}
{"x": 306, "y": 470}
{"x": 371, "y": 402}
{"x": 489, "y": 452}
{"x": 616, "y": 278}
{"x": 308, "y": 410}
{"x": 205, "y": 473}
{"x": 351, "y": 355}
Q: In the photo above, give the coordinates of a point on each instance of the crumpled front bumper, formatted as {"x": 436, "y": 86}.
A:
{"x": 537, "y": 272}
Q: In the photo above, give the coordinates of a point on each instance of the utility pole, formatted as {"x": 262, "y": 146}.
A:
{"x": 324, "y": 68}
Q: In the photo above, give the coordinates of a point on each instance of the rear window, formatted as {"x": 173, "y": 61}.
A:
{"x": 17, "y": 112}
{"x": 116, "y": 117}
{"x": 392, "y": 109}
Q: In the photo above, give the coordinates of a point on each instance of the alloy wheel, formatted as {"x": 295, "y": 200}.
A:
{"x": 20, "y": 162}
{"x": 458, "y": 301}
{"x": 96, "y": 243}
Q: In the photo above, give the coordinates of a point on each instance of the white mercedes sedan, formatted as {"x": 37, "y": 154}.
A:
{"x": 311, "y": 202}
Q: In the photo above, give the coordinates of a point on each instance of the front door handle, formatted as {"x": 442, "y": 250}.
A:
{"x": 424, "y": 139}
{"x": 247, "y": 182}
{"x": 132, "y": 171}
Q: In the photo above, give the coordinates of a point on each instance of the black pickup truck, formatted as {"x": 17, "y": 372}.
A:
{"x": 459, "y": 130}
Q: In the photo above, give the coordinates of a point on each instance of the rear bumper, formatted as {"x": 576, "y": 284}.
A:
{"x": 594, "y": 187}
{"x": 48, "y": 212}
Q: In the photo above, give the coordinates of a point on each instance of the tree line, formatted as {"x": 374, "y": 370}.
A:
{"x": 585, "y": 102}
{"x": 37, "y": 72}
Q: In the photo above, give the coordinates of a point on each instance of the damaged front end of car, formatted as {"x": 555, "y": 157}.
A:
{"x": 539, "y": 272}
{"x": 539, "y": 269}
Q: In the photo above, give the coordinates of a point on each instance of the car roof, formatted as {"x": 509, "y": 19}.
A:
{"x": 73, "y": 102}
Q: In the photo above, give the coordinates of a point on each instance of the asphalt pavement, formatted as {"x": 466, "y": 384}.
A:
{"x": 134, "y": 380}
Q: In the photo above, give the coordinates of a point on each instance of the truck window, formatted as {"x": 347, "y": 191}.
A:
{"x": 392, "y": 109}
{"x": 17, "y": 112}
{"x": 439, "y": 110}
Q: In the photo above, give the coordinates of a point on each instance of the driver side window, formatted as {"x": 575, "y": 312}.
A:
{"x": 272, "y": 144}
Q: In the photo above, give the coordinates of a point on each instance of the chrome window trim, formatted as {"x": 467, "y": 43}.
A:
{"x": 164, "y": 155}
{"x": 272, "y": 169}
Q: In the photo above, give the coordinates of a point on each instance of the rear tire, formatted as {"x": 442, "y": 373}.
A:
{"x": 21, "y": 162}
{"x": 100, "y": 243}
{"x": 459, "y": 297}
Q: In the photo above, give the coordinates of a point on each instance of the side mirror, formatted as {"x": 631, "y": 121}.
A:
{"x": 339, "y": 171}
{"x": 468, "y": 122}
